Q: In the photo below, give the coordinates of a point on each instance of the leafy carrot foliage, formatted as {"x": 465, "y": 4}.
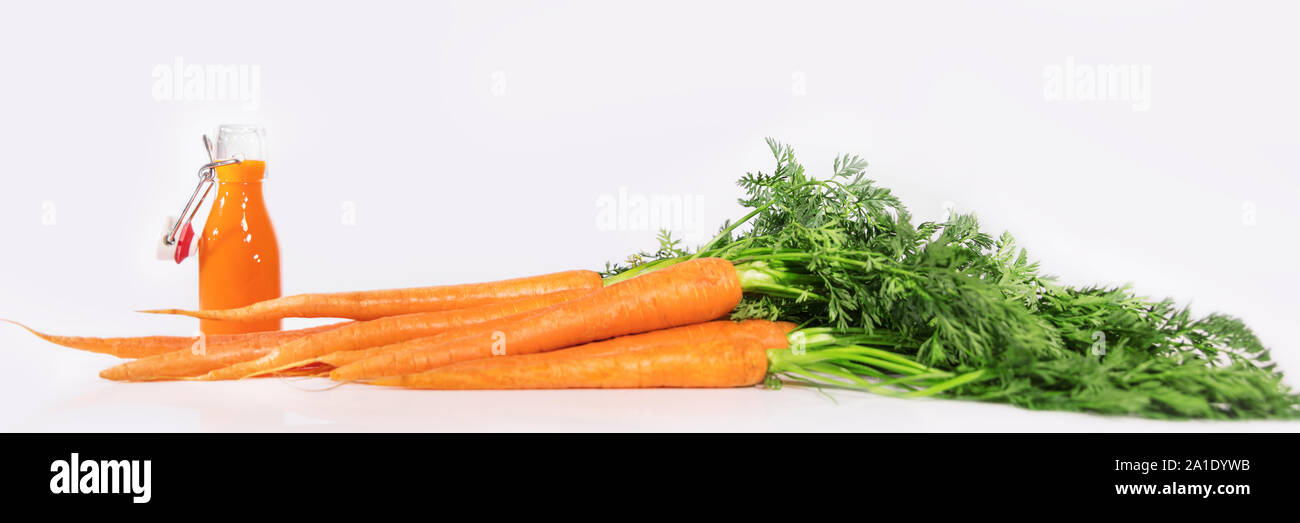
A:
{"x": 843, "y": 252}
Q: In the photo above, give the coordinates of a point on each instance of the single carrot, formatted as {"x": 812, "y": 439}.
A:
{"x": 182, "y": 363}
{"x": 735, "y": 361}
{"x": 690, "y": 357}
{"x": 199, "y": 359}
{"x": 771, "y": 335}
{"x": 144, "y": 346}
{"x": 369, "y": 305}
{"x": 383, "y": 331}
{"x": 689, "y": 292}
{"x": 699, "y": 331}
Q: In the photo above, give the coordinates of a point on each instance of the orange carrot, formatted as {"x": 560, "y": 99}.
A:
{"x": 183, "y": 363}
{"x": 770, "y": 334}
{"x": 196, "y": 360}
{"x": 699, "y": 331}
{"x": 368, "y": 305}
{"x": 689, "y": 292}
{"x": 341, "y": 358}
{"x": 383, "y": 331}
{"x": 734, "y": 361}
{"x": 143, "y": 346}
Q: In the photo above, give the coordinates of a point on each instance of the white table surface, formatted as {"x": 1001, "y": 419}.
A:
{"x": 57, "y": 390}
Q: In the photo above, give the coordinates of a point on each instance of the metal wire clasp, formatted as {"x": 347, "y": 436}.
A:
{"x": 207, "y": 175}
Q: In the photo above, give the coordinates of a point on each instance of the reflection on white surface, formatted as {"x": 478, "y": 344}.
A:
{"x": 118, "y": 417}
{"x": 80, "y": 401}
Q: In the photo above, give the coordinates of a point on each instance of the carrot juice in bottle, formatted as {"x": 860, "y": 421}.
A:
{"x": 239, "y": 259}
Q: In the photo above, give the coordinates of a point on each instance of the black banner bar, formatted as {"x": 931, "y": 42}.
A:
{"x": 141, "y": 473}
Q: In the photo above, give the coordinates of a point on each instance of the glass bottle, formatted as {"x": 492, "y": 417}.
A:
{"x": 239, "y": 258}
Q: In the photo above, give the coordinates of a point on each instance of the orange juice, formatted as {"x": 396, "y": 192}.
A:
{"x": 239, "y": 259}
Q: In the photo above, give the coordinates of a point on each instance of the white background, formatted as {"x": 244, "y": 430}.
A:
{"x": 474, "y": 139}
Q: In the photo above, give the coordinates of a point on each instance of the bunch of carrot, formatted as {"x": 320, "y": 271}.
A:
{"x": 893, "y": 308}
{"x": 563, "y": 330}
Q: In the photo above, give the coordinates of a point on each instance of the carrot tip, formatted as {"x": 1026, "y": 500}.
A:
{"x": 29, "y": 329}
{"x": 176, "y": 312}
{"x": 35, "y": 332}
